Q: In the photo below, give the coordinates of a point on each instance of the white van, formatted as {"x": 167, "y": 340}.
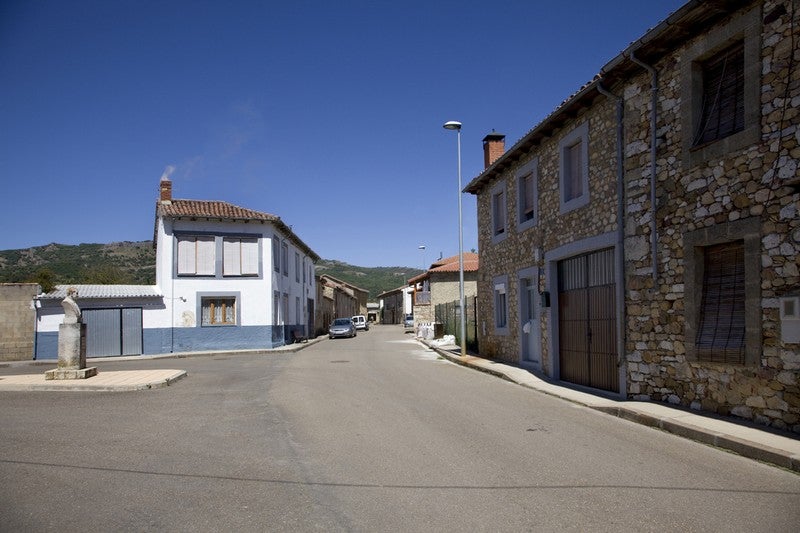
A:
{"x": 360, "y": 322}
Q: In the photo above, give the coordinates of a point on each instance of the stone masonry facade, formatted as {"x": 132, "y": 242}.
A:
{"x": 17, "y": 316}
{"x": 741, "y": 188}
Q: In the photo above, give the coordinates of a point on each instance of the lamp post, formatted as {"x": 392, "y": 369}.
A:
{"x": 422, "y": 249}
{"x": 454, "y": 125}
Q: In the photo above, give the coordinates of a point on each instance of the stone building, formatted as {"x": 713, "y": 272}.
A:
{"x": 440, "y": 285}
{"x": 395, "y": 304}
{"x": 337, "y": 299}
{"x": 668, "y": 184}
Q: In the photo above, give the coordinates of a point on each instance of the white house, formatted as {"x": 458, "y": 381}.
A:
{"x": 227, "y": 278}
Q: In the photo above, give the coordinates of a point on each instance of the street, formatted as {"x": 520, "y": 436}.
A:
{"x": 375, "y": 433}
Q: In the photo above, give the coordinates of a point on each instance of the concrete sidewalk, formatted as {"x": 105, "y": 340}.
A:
{"x": 760, "y": 444}
{"x": 123, "y": 380}
{"x": 113, "y": 380}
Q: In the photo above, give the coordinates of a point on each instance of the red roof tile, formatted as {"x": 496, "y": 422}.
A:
{"x": 211, "y": 209}
{"x": 450, "y": 264}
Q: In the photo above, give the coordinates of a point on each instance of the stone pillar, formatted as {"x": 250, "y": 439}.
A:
{"x": 71, "y": 344}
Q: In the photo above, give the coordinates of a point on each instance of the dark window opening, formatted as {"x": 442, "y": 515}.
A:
{"x": 722, "y": 111}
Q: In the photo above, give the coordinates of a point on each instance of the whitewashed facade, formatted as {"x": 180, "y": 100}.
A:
{"x": 227, "y": 278}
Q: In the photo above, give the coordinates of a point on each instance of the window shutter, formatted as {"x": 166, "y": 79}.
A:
{"x": 206, "y": 256}
{"x": 721, "y": 331}
{"x": 499, "y": 214}
{"x": 187, "y": 263}
{"x": 249, "y": 257}
{"x": 527, "y": 209}
{"x": 574, "y": 166}
{"x": 231, "y": 257}
{"x": 723, "y": 95}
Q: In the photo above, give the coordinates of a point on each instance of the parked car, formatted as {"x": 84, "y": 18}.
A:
{"x": 360, "y": 322}
{"x": 408, "y": 322}
{"x": 342, "y": 327}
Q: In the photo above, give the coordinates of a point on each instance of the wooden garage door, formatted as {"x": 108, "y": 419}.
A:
{"x": 587, "y": 320}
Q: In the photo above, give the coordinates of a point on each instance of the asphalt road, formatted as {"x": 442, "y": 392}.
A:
{"x": 374, "y": 433}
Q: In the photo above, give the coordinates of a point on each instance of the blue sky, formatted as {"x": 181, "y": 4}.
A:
{"x": 327, "y": 114}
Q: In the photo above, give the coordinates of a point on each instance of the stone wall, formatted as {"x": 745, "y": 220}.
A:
{"x": 17, "y": 321}
{"x": 445, "y": 287}
{"x": 528, "y": 247}
{"x": 716, "y": 192}
{"x": 741, "y": 187}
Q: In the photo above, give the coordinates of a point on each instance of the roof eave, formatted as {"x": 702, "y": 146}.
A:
{"x": 689, "y": 19}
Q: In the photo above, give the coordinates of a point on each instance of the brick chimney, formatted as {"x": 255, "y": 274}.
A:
{"x": 165, "y": 186}
{"x": 494, "y": 145}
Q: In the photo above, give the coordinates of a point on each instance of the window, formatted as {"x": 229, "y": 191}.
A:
{"x": 722, "y": 103}
{"x": 276, "y": 306}
{"x": 721, "y": 90}
{"x": 297, "y": 267}
{"x": 239, "y": 256}
{"x": 285, "y": 258}
{"x": 285, "y": 309}
{"x": 498, "y": 210}
{"x": 304, "y": 270}
{"x": 500, "y": 304}
{"x": 218, "y": 311}
{"x": 573, "y": 178}
{"x": 298, "y": 310}
{"x": 276, "y": 255}
{"x": 723, "y": 293}
{"x": 196, "y": 255}
{"x": 527, "y": 195}
{"x": 720, "y": 333}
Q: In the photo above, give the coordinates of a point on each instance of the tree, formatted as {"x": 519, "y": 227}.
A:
{"x": 45, "y": 278}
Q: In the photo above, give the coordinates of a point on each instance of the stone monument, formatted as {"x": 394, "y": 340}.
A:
{"x": 71, "y": 343}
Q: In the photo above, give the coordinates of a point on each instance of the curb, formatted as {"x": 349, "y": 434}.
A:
{"x": 287, "y": 348}
{"x": 724, "y": 441}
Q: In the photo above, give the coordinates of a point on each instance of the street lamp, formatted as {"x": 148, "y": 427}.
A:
{"x": 454, "y": 125}
{"x": 422, "y": 249}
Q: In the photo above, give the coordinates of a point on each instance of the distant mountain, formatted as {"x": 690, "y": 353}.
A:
{"x": 134, "y": 263}
{"x": 373, "y": 279}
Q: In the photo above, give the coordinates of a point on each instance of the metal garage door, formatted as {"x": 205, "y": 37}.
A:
{"x": 113, "y": 331}
{"x": 587, "y": 320}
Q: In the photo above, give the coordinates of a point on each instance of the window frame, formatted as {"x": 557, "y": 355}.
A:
{"x": 579, "y": 135}
{"x": 695, "y": 243}
{"x": 255, "y": 260}
{"x": 276, "y": 254}
{"x": 285, "y": 258}
{"x": 745, "y": 28}
{"x": 179, "y": 254}
{"x": 204, "y": 297}
{"x": 528, "y": 170}
{"x": 500, "y": 304}
{"x": 498, "y": 192}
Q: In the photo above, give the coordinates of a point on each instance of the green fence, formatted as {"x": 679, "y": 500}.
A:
{"x": 448, "y": 314}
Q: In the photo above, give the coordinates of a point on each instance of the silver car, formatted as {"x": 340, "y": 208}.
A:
{"x": 342, "y": 327}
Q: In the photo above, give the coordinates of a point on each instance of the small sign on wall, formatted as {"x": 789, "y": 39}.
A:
{"x": 790, "y": 319}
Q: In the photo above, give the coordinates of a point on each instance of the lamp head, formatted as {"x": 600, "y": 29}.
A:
{"x": 452, "y": 125}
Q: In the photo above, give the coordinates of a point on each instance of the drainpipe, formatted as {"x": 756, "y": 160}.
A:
{"x": 653, "y": 116}
{"x": 619, "y": 259}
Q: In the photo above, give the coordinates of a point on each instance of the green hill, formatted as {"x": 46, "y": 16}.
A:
{"x": 134, "y": 263}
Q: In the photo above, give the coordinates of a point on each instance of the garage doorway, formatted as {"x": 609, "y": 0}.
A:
{"x": 587, "y": 320}
{"x": 111, "y": 332}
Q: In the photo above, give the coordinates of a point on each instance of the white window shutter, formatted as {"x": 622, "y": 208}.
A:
{"x": 206, "y": 256}
{"x": 231, "y": 257}
{"x": 186, "y": 255}
{"x": 249, "y": 257}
